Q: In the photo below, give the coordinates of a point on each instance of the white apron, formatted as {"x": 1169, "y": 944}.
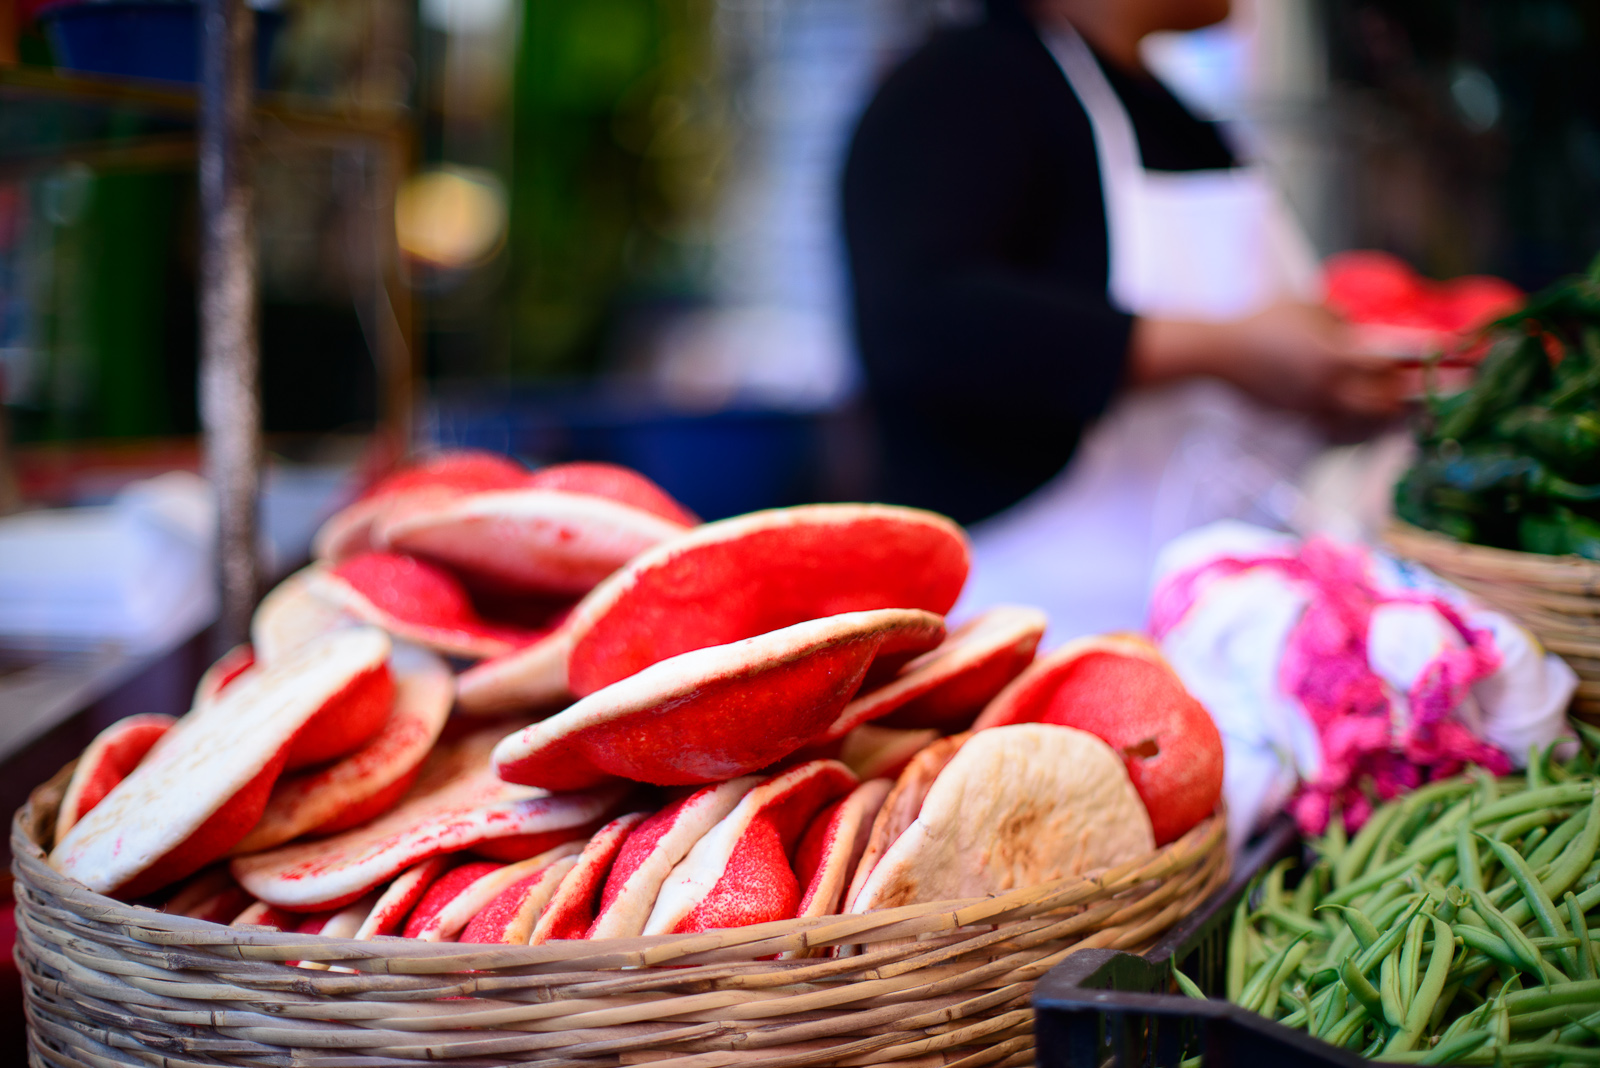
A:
{"x": 1204, "y": 245}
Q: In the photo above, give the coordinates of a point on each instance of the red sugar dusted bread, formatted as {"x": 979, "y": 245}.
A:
{"x": 654, "y": 848}
{"x": 832, "y": 847}
{"x": 437, "y": 478}
{"x": 617, "y": 483}
{"x": 947, "y": 687}
{"x": 192, "y": 799}
{"x": 416, "y": 601}
{"x": 735, "y": 579}
{"x": 291, "y": 615}
{"x": 109, "y": 759}
{"x": 371, "y": 780}
{"x": 741, "y": 871}
{"x": 229, "y": 666}
{"x": 572, "y": 910}
{"x": 532, "y": 678}
{"x": 542, "y": 541}
{"x": 1119, "y": 688}
{"x": 713, "y": 713}
{"x": 424, "y": 922}
{"x": 457, "y": 804}
{"x": 395, "y": 901}
{"x": 508, "y": 920}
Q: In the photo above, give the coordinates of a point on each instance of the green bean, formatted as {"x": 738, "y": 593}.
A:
{"x": 1255, "y": 991}
{"x": 1487, "y": 790}
{"x": 1446, "y": 1000}
{"x": 1443, "y": 870}
{"x": 1364, "y": 930}
{"x": 1354, "y": 1022}
{"x": 1272, "y": 886}
{"x": 1544, "y": 910}
{"x": 1411, "y": 958}
{"x": 1509, "y": 933}
{"x": 1390, "y": 871}
{"x": 1332, "y": 1010}
{"x": 1467, "y": 854}
{"x": 1368, "y": 958}
{"x": 1514, "y": 828}
{"x": 1575, "y": 992}
{"x": 1578, "y": 855}
{"x": 1517, "y": 804}
{"x": 1334, "y": 840}
{"x": 1293, "y": 922}
{"x": 1306, "y": 892}
{"x": 1414, "y": 808}
{"x": 1389, "y": 989}
{"x": 1550, "y": 847}
{"x": 1376, "y": 906}
{"x": 1455, "y": 1049}
{"x": 1535, "y": 771}
{"x": 1535, "y": 838}
{"x": 1296, "y": 953}
{"x": 1422, "y": 1002}
{"x": 1238, "y": 948}
{"x": 1580, "y": 927}
{"x": 1354, "y": 859}
{"x": 1588, "y": 1026}
{"x": 1186, "y": 984}
{"x": 1360, "y": 988}
{"x": 1491, "y": 946}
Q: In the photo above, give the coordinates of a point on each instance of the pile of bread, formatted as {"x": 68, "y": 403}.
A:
{"x": 511, "y": 707}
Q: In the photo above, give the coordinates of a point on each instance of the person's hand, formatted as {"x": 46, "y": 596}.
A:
{"x": 1290, "y": 355}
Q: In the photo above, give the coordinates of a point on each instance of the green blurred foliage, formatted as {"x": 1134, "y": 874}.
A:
{"x": 619, "y": 135}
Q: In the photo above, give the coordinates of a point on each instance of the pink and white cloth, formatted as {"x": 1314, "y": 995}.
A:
{"x": 1338, "y": 674}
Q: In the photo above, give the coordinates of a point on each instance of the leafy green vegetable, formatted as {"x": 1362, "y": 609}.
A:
{"x": 1514, "y": 460}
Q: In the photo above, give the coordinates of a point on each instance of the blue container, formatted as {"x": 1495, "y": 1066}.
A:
{"x": 153, "y": 39}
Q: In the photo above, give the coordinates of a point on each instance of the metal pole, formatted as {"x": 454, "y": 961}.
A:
{"x": 230, "y": 403}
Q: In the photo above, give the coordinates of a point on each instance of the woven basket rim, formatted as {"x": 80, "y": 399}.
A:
{"x": 32, "y": 869}
{"x": 1570, "y": 573}
{"x": 111, "y": 985}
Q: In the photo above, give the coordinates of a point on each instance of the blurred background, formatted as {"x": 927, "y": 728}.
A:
{"x": 608, "y": 229}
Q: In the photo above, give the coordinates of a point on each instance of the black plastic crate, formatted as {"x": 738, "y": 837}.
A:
{"x": 1102, "y": 1008}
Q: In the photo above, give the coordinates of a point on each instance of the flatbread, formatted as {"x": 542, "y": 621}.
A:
{"x": 899, "y": 810}
{"x": 654, "y": 848}
{"x": 371, "y": 780}
{"x": 741, "y": 872}
{"x": 191, "y": 800}
{"x": 458, "y": 803}
{"x": 571, "y": 911}
{"x": 1016, "y": 806}
{"x": 713, "y": 713}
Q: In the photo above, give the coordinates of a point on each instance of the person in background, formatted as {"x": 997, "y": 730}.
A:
{"x": 1083, "y": 322}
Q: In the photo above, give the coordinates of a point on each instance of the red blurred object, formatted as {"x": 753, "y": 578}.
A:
{"x": 1403, "y": 314}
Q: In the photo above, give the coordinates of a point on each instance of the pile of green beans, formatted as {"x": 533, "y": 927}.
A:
{"x": 1458, "y": 927}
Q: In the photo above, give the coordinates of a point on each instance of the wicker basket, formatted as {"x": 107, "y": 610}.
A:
{"x": 1557, "y": 597}
{"x": 109, "y": 984}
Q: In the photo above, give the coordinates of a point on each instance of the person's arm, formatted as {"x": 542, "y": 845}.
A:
{"x": 1291, "y": 355}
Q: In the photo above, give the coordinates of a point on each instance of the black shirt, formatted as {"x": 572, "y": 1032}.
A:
{"x": 977, "y": 237}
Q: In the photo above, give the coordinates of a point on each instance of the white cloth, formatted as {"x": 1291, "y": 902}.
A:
{"x": 1229, "y": 645}
{"x": 137, "y": 571}
{"x": 1208, "y": 245}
